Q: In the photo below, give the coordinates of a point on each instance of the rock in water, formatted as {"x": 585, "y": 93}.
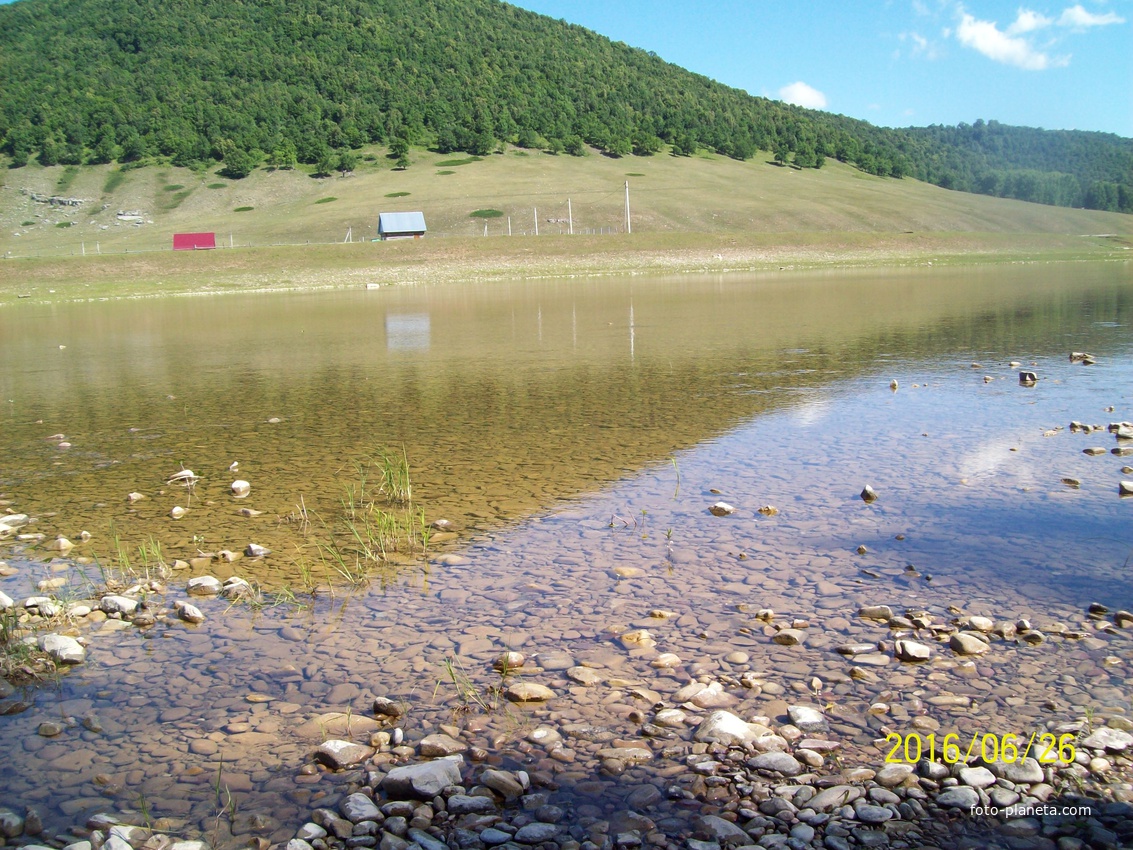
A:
{"x": 723, "y": 727}
{"x": 912, "y": 651}
{"x": 721, "y": 509}
{"x": 240, "y": 488}
{"x": 188, "y": 613}
{"x": 1028, "y": 379}
{"x": 424, "y": 780}
{"x": 342, "y": 754}
{"x": 868, "y": 494}
{"x": 967, "y": 643}
{"x": 65, "y": 650}
{"x": 529, "y": 692}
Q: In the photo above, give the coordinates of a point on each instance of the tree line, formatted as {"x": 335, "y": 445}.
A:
{"x": 283, "y": 82}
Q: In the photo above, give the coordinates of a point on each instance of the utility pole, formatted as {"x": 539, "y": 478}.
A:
{"x": 536, "y": 220}
{"x": 629, "y": 225}
{"x": 509, "y": 225}
{"x": 570, "y": 218}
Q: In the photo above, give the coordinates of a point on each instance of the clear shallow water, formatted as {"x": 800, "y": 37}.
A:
{"x": 568, "y": 429}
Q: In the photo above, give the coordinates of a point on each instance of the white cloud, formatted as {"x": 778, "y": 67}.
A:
{"x": 801, "y": 94}
{"x": 1028, "y": 21}
{"x": 921, "y": 46}
{"x": 1078, "y": 18}
{"x": 986, "y": 38}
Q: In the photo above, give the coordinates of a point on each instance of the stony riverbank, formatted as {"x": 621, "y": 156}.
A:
{"x": 674, "y": 763}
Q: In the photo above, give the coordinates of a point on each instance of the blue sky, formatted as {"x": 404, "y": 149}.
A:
{"x": 897, "y": 63}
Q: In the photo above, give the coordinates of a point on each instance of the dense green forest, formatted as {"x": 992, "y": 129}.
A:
{"x": 281, "y": 82}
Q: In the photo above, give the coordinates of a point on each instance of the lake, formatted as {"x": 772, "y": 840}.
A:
{"x": 574, "y": 434}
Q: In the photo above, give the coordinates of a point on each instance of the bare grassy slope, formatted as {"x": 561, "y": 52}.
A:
{"x": 706, "y": 211}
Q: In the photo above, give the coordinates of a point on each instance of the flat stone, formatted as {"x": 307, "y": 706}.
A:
{"x": 977, "y": 777}
{"x": 425, "y": 841}
{"x": 585, "y": 676}
{"x": 876, "y": 612}
{"x": 960, "y": 797}
{"x": 424, "y": 780}
{"x": 1109, "y": 739}
{"x": 1026, "y": 771}
{"x": 462, "y": 804}
{"x": 912, "y": 651}
{"x": 776, "y": 762}
{"x": 339, "y": 754}
{"x": 834, "y": 797}
{"x": 807, "y": 718}
{"x": 439, "y": 744}
{"x": 63, "y": 649}
{"x": 529, "y": 692}
{"x": 723, "y": 727}
{"x": 503, "y": 783}
{"x": 716, "y": 828}
{"x": 204, "y": 586}
{"x": 358, "y": 807}
{"x": 893, "y": 774}
{"x": 869, "y": 813}
{"x": 536, "y": 833}
{"x": 965, "y": 643}
{"x": 789, "y": 637}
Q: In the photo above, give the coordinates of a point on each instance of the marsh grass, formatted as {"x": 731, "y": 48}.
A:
{"x": 377, "y": 528}
{"x": 22, "y": 662}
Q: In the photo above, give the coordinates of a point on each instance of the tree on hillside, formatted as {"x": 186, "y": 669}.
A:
{"x": 238, "y": 164}
{"x": 347, "y": 162}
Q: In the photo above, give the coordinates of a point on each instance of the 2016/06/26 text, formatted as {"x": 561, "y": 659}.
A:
{"x": 1047, "y": 747}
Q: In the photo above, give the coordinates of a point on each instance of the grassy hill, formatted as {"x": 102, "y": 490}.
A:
{"x": 708, "y": 211}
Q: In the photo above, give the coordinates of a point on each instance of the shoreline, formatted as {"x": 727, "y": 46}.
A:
{"x": 322, "y": 267}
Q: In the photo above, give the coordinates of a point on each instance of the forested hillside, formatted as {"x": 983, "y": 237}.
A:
{"x": 281, "y": 82}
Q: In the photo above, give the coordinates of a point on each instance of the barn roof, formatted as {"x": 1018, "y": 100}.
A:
{"x": 401, "y": 222}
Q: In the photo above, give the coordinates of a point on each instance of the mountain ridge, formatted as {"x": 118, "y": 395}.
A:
{"x": 306, "y": 82}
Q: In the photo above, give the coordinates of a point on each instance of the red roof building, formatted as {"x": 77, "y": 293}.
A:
{"x": 193, "y": 241}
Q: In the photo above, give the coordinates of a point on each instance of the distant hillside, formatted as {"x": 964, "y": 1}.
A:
{"x": 280, "y": 83}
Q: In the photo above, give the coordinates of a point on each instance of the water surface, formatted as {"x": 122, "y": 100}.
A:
{"x": 575, "y": 432}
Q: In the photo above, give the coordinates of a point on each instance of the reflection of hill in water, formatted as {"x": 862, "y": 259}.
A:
{"x": 505, "y": 397}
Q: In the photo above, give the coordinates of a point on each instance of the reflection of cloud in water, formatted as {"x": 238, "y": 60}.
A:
{"x": 811, "y": 411}
{"x": 989, "y": 459}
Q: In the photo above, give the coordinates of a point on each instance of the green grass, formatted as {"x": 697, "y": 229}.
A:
{"x": 176, "y": 198}
{"x": 445, "y": 173}
{"x": 486, "y": 214}
{"x": 634, "y": 174}
{"x": 67, "y": 178}
{"x": 707, "y": 214}
{"x": 450, "y": 163}
{"x": 113, "y": 181}
{"x": 326, "y": 200}
{"x": 27, "y": 224}
{"x": 172, "y": 187}
{"x": 65, "y": 224}
{"x": 243, "y": 209}
{"x": 218, "y": 185}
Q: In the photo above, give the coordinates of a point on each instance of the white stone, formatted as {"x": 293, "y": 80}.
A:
{"x": 241, "y": 488}
{"x": 188, "y": 613}
{"x": 65, "y": 650}
{"x": 723, "y": 727}
{"x": 721, "y": 509}
{"x": 123, "y": 605}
